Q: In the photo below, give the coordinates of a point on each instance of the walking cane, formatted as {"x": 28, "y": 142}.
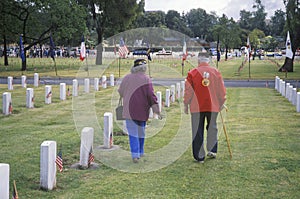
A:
{"x": 224, "y": 129}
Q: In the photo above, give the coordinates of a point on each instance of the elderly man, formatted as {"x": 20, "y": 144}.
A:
{"x": 204, "y": 96}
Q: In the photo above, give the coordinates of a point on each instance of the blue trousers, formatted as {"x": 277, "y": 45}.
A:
{"x": 136, "y": 132}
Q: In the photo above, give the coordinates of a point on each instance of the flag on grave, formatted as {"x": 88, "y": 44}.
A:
{"x": 123, "y": 50}
{"x": 82, "y": 49}
{"x": 59, "y": 161}
{"x": 248, "y": 48}
{"x": 10, "y": 107}
{"x": 184, "y": 51}
{"x": 91, "y": 157}
{"x": 49, "y": 94}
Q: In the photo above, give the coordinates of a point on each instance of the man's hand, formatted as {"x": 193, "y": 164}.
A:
{"x": 186, "y": 109}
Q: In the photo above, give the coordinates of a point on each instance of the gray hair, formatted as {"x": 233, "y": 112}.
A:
{"x": 203, "y": 56}
{"x": 139, "y": 68}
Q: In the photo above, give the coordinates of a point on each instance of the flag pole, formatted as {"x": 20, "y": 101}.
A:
{"x": 119, "y": 67}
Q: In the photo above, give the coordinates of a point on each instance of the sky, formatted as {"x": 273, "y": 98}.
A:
{"x": 229, "y": 7}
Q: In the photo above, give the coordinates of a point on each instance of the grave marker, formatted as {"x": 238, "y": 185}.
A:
{"x": 86, "y": 145}
{"x": 182, "y": 88}
{"x": 159, "y": 100}
{"x": 6, "y": 103}
{"x": 29, "y": 98}
{"x": 62, "y": 91}
{"x": 36, "y": 80}
{"x": 10, "y": 83}
{"x": 48, "y": 94}
{"x": 298, "y": 102}
{"x": 86, "y": 85}
{"x": 168, "y": 98}
{"x": 112, "y": 80}
{"x": 294, "y": 96}
{"x": 75, "y": 88}
{"x": 4, "y": 181}
{"x": 172, "y": 93}
{"x": 287, "y": 86}
{"x": 107, "y": 131}
{"x": 96, "y": 84}
{"x": 24, "y": 84}
{"x": 104, "y": 83}
{"x": 48, "y": 165}
{"x": 178, "y": 89}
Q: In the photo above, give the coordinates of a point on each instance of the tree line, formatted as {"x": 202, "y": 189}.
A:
{"x": 68, "y": 20}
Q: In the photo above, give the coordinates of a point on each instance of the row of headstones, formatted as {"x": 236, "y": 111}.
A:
{"x": 48, "y": 158}
{"x": 48, "y": 150}
{"x": 288, "y": 91}
{"x": 7, "y": 100}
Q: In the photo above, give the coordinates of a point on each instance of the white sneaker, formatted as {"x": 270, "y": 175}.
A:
{"x": 211, "y": 155}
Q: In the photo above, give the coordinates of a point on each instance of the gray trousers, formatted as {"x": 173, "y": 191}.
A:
{"x": 198, "y": 121}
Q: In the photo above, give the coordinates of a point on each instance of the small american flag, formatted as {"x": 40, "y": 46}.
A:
{"x": 15, "y": 192}
{"x": 123, "y": 50}
{"x": 49, "y": 94}
{"x": 68, "y": 93}
{"x": 91, "y": 157}
{"x": 59, "y": 161}
{"x": 10, "y": 108}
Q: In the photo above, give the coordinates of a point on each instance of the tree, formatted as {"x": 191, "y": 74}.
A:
{"x": 200, "y": 23}
{"x": 293, "y": 26}
{"x": 277, "y": 23}
{"x": 227, "y": 30}
{"x": 112, "y": 16}
{"x": 35, "y": 20}
{"x": 176, "y": 22}
{"x": 259, "y": 16}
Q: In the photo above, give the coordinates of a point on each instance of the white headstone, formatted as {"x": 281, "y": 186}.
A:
{"x": 4, "y": 181}
{"x": 29, "y": 98}
{"x": 107, "y": 132}
{"x": 96, "y": 84}
{"x": 104, "y": 82}
{"x": 287, "y": 85}
{"x": 298, "y": 102}
{"x": 173, "y": 93}
{"x": 168, "y": 95}
{"x": 6, "y": 103}
{"x": 86, "y": 145}
{"x": 23, "y": 81}
{"x": 182, "y": 88}
{"x": 290, "y": 93}
{"x": 36, "y": 80}
{"x": 124, "y": 128}
{"x": 276, "y": 82}
{"x": 10, "y": 83}
{"x": 294, "y": 96}
{"x": 112, "y": 80}
{"x": 48, "y": 94}
{"x": 283, "y": 88}
{"x": 75, "y": 88}
{"x": 86, "y": 85}
{"x": 62, "y": 91}
{"x": 178, "y": 89}
{"x": 48, "y": 165}
{"x": 159, "y": 100}
{"x": 280, "y": 86}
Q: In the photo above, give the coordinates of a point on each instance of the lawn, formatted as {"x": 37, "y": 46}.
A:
{"x": 263, "y": 128}
{"x": 160, "y": 67}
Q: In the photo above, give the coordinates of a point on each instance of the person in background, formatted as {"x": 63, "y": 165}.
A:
{"x": 137, "y": 92}
{"x": 204, "y": 96}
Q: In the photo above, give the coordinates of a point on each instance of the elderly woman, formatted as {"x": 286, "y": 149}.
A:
{"x": 138, "y": 97}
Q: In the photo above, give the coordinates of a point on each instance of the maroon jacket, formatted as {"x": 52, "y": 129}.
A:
{"x": 138, "y": 96}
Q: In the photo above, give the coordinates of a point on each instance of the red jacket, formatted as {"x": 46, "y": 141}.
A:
{"x": 204, "y": 89}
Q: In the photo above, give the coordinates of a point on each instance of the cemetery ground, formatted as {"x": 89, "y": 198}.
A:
{"x": 263, "y": 129}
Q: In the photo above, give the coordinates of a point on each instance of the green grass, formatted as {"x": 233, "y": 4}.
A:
{"x": 159, "y": 68}
{"x": 263, "y": 128}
